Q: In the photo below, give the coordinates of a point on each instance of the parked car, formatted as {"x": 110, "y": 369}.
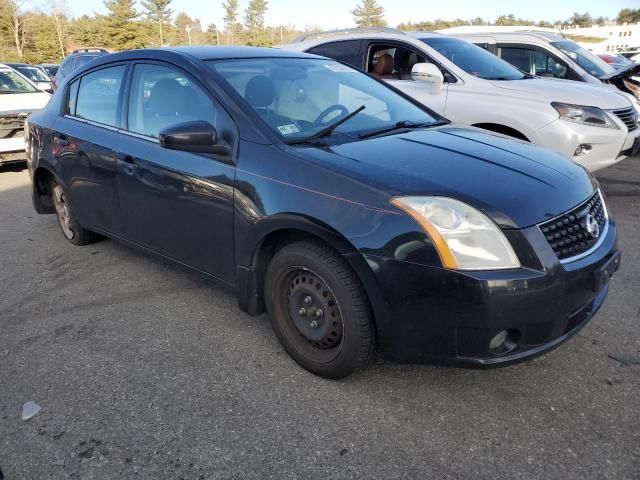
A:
{"x": 355, "y": 216}
{"x": 551, "y": 55}
{"x": 50, "y": 69}
{"x": 593, "y": 125}
{"x": 33, "y": 73}
{"x": 18, "y": 97}
{"x": 616, "y": 61}
{"x": 75, "y": 60}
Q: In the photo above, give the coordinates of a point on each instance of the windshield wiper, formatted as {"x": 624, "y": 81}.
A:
{"x": 398, "y": 126}
{"x": 330, "y": 128}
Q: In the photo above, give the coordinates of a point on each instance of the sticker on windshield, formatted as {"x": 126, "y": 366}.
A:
{"x": 289, "y": 129}
{"x": 339, "y": 68}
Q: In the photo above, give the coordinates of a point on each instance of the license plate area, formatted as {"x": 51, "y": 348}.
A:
{"x": 603, "y": 274}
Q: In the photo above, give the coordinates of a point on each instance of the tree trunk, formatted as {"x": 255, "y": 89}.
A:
{"x": 161, "y": 38}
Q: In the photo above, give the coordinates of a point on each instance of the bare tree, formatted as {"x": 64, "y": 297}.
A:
{"x": 16, "y": 24}
{"x": 58, "y": 8}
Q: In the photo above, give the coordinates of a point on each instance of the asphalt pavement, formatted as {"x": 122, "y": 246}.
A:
{"x": 144, "y": 370}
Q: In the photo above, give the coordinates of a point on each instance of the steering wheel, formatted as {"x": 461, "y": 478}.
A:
{"x": 337, "y": 108}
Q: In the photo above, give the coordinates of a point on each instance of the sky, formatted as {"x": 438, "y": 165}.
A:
{"x": 331, "y": 14}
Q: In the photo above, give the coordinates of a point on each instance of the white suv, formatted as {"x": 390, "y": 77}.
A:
{"x": 552, "y": 55}
{"x": 593, "y": 125}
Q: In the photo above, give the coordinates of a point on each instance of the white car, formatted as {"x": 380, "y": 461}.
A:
{"x": 593, "y": 125}
{"x": 18, "y": 98}
{"x": 552, "y": 55}
{"x": 36, "y": 74}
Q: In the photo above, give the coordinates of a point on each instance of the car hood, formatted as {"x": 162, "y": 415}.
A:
{"x": 516, "y": 183}
{"x": 11, "y": 102}
{"x": 626, "y": 72}
{"x": 565, "y": 91}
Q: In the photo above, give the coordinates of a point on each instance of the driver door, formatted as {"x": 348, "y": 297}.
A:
{"x": 405, "y": 57}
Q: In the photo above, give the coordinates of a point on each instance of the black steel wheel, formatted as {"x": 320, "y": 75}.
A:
{"x": 319, "y": 310}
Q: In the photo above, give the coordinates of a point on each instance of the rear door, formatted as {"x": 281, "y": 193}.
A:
{"x": 86, "y": 142}
{"x": 179, "y": 204}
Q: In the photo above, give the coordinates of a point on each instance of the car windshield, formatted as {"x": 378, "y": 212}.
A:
{"x": 51, "y": 70}
{"x": 474, "y": 60}
{"x": 301, "y": 97}
{"x": 583, "y": 57}
{"x": 13, "y": 82}
{"x": 34, "y": 74}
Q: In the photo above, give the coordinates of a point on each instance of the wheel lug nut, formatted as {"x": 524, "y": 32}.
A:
{"x": 307, "y": 300}
{"x": 313, "y": 324}
{"x": 319, "y": 313}
{"x": 302, "y": 311}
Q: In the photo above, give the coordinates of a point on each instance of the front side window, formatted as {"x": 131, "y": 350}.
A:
{"x": 299, "y": 97}
{"x": 583, "y": 57}
{"x": 163, "y": 96}
{"x": 534, "y": 62}
{"x": 13, "y": 82}
{"x": 473, "y": 59}
{"x": 98, "y": 95}
{"x": 392, "y": 62}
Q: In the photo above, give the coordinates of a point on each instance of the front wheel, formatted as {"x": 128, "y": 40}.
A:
{"x": 318, "y": 310}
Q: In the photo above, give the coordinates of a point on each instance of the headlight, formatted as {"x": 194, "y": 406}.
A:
{"x": 586, "y": 115}
{"x": 465, "y": 238}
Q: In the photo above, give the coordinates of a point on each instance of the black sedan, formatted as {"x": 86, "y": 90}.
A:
{"x": 355, "y": 217}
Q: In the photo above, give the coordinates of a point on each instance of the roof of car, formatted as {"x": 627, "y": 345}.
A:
{"x": 520, "y": 34}
{"x": 221, "y": 52}
{"x": 12, "y": 64}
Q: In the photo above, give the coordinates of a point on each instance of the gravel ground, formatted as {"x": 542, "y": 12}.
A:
{"x": 144, "y": 370}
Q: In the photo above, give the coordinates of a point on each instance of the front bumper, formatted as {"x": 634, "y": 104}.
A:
{"x": 438, "y": 316}
{"x": 12, "y": 150}
{"x": 608, "y": 145}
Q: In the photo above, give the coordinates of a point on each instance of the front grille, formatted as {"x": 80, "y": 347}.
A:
{"x": 12, "y": 125}
{"x": 570, "y": 234}
{"x": 628, "y": 117}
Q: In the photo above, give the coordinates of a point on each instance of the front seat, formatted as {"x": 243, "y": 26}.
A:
{"x": 166, "y": 104}
{"x": 260, "y": 93}
{"x": 383, "y": 68}
{"x": 408, "y": 61}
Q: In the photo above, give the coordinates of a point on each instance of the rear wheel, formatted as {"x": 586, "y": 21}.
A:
{"x": 319, "y": 310}
{"x": 71, "y": 229}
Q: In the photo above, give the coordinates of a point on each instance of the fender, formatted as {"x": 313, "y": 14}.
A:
{"x": 254, "y": 255}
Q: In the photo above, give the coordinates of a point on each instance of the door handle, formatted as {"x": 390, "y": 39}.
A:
{"x": 61, "y": 140}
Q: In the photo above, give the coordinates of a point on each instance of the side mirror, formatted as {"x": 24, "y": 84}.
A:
{"x": 199, "y": 137}
{"x": 49, "y": 90}
{"x": 428, "y": 73}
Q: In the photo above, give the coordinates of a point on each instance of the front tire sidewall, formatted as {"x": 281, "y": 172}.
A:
{"x": 352, "y": 353}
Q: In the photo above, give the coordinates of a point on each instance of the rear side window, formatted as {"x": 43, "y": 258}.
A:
{"x": 347, "y": 51}
{"x": 98, "y": 95}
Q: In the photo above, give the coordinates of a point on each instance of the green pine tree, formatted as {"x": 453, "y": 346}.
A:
{"x": 158, "y": 11}
{"x": 122, "y": 29}
{"x": 254, "y": 19}
{"x": 369, "y": 14}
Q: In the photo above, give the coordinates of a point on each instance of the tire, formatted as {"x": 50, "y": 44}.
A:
{"x": 319, "y": 310}
{"x": 70, "y": 228}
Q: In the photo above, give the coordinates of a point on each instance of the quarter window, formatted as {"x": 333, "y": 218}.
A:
{"x": 73, "y": 98}
{"x": 98, "y": 95}
{"x": 164, "y": 96}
